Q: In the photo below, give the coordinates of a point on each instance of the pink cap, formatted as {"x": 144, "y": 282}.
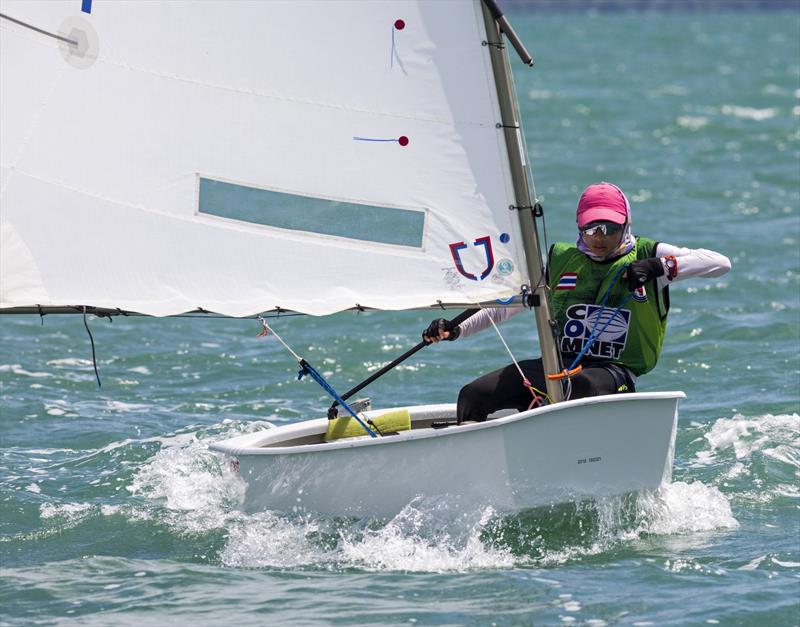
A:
{"x": 602, "y": 201}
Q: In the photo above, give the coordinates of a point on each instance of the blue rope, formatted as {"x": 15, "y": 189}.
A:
{"x": 307, "y": 369}
{"x": 595, "y": 333}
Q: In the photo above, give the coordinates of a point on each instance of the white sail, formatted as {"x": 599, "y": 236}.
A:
{"x": 223, "y": 155}
{"x": 238, "y": 157}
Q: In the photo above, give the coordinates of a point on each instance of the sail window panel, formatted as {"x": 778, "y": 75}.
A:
{"x": 370, "y": 223}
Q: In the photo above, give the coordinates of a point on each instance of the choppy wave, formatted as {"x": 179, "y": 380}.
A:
{"x": 183, "y": 486}
{"x": 776, "y": 436}
{"x": 757, "y": 458}
{"x": 18, "y": 370}
{"x": 749, "y": 113}
{"x": 192, "y": 490}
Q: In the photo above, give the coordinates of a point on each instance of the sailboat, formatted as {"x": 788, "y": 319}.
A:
{"x": 247, "y": 158}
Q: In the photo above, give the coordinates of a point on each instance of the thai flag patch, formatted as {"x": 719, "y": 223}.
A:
{"x": 568, "y": 281}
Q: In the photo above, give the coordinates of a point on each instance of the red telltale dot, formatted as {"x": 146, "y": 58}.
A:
{"x": 402, "y": 140}
{"x": 399, "y": 24}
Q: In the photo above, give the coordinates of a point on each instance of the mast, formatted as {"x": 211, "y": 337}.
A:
{"x": 496, "y": 23}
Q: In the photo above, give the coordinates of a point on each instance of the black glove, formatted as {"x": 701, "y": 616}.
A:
{"x": 437, "y": 326}
{"x": 643, "y": 271}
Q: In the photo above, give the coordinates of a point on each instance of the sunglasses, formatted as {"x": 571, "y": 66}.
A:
{"x": 606, "y": 228}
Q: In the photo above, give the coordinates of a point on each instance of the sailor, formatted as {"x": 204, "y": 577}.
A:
{"x": 610, "y": 299}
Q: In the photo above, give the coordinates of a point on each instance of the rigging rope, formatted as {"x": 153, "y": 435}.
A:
{"x": 538, "y": 395}
{"x": 266, "y": 330}
{"x": 94, "y": 355}
{"x": 307, "y": 369}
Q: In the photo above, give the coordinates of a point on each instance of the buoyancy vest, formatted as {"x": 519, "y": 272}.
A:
{"x": 578, "y": 284}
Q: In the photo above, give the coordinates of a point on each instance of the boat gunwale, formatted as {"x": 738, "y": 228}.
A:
{"x": 416, "y": 434}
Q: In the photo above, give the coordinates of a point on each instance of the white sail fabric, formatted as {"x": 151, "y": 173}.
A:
{"x": 108, "y": 147}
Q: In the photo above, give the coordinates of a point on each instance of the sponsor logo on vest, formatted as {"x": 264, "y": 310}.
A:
{"x": 567, "y": 281}
{"x": 583, "y": 319}
{"x": 640, "y": 294}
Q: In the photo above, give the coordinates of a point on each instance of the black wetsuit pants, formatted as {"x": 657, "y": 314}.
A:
{"x": 503, "y": 388}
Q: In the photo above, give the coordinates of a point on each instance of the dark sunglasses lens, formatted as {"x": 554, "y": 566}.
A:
{"x": 606, "y": 228}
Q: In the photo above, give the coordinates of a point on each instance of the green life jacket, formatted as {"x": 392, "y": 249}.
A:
{"x": 577, "y": 286}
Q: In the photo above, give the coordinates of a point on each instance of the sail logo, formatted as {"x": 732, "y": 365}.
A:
{"x": 485, "y": 243}
{"x": 583, "y": 320}
{"x": 505, "y": 267}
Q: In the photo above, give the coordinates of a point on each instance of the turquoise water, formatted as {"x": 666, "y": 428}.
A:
{"x": 113, "y": 511}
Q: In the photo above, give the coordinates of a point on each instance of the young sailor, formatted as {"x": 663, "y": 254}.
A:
{"x": 610, "y": 299}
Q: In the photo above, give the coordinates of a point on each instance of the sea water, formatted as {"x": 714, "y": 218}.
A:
{"x": 114, "y": 512}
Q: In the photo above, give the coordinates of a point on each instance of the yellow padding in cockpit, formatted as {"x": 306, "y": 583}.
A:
{"x": 348, "y": 427}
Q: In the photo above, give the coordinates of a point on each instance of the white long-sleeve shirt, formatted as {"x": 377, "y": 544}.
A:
{"x": 692, "y": 262}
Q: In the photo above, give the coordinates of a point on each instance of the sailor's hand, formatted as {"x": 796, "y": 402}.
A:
{"x": 641, "y": 272}
{"x": 440, "y": 329}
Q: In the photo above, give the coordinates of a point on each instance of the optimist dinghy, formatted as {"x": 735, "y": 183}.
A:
{"x": 573, "y": 450}
{"x": 253, "y": 158}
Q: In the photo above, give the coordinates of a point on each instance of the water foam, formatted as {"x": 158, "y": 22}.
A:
{"x": 19, "y": 370}
{"x": 192, "y": 489}
{"x": 434, "y": 535}
{"x": 428, "y": 537}
{"x": 70, "y": 362}
{"x": 693, "y": 123}
{"x": 777, "y": 436}
{"x": 757, "y": 458}
{"x": 749, "y": 113}
{"x": 417, "y": 539}
{"x": 685, "y": 508}
{"x": 119, "y": 406}
{"x": 71, "y": 513}
{"x": 194, "y": 485}
{"x": 271, "y": 540}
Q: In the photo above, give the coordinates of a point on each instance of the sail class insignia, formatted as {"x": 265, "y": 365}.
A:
{"x": 486, "y": 243}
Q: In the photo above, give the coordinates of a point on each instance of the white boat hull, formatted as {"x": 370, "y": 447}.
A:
{"x": 573, "y": 450}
